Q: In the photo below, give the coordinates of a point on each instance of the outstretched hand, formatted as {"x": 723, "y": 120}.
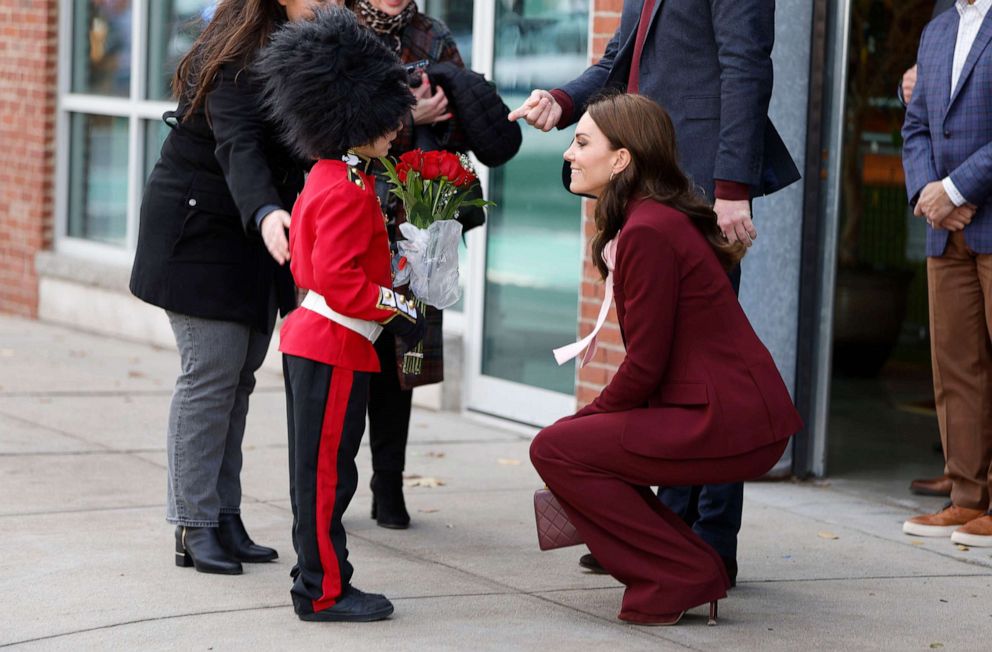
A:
{"x": 540, "y": 110}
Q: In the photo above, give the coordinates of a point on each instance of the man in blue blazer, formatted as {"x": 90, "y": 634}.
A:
{"x": 947, "y": 155}
{"x": 708, "y": 63}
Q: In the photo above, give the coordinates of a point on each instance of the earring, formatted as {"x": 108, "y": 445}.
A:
{"x": 613, "y": 173}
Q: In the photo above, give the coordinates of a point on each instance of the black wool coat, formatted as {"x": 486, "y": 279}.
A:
{"x": 199, "y": 250}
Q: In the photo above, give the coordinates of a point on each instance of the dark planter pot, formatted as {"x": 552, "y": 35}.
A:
{"x": 869, "y": 309}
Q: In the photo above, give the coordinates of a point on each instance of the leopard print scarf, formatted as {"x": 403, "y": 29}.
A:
{"x": 387, "y": 27}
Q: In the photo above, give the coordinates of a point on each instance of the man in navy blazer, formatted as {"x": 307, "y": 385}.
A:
{"x": 947, "y": 156}
{"x": 708, "y": 63}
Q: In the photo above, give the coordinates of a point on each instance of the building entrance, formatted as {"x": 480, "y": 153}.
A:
{"x": 882, "y": 423}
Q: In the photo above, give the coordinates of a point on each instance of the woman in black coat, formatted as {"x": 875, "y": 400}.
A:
{"x": 211, "y": 251}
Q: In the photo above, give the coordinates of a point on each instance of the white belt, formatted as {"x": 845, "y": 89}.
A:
{"x": 370, "y": 330}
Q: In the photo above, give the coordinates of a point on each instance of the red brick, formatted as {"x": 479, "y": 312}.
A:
{"x": 28, "y": 65}
{"x": 604, "y": 25}
{"x": 609, "y": 6}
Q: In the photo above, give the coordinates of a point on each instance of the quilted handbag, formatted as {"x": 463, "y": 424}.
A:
{"x": 554, "y": 530}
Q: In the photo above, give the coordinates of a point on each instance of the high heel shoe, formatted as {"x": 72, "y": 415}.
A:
{"x": 388, "y": 504}
{"x": 235, "y": 540}
{"x": 200, "y": 547}
{"x": 666, "y": 620}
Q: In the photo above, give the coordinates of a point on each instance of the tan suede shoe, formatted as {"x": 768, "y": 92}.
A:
{"x": 941, "y": 524}
{"x": 976, "y": 532}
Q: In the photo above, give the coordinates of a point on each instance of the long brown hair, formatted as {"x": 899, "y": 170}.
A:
{"x": 642, "y": 127}
{"x": 238, "y": 29}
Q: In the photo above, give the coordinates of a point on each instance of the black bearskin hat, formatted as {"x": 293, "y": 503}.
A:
{"x": 331, "y": 84}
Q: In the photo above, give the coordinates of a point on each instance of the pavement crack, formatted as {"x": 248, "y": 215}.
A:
{"x": 863, "y": 578}
{"x": 139, "y": 621}
{"x": 113, "y": 393}
{"x": 874, "y": 535}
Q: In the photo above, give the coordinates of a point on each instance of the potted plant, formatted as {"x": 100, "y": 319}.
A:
{"x": 873, "y": 277}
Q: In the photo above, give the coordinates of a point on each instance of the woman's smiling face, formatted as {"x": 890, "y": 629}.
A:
{"x": 303, "y": 9}
{"x": 390, "y": 7}
{"x": 591, "y": 159}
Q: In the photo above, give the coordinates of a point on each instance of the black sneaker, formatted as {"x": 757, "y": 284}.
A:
{"x": 591, "y": 564}
{"x": 353, "y": 606}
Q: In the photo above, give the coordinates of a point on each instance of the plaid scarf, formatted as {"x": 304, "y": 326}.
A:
{"x": 386, "y": 26}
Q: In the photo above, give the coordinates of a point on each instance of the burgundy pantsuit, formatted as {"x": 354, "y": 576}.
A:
{"x": 697, "y": 400}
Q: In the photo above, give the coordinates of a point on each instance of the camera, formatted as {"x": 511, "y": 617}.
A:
{"x": 414, "y": 70}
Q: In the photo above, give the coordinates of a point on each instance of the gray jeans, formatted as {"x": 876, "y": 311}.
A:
{"x": 207, "y": 417}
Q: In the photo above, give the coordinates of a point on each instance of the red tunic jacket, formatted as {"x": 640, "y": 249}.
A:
{"x": 339, "y": 249}
{"x": 696, "y": 381}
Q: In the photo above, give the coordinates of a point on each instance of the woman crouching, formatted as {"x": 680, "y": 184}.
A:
{"x": 696, "y": 400}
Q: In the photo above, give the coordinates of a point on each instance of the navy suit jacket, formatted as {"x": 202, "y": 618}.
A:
{"x": 951, "y": 134}
{"x": 708, "y": 63}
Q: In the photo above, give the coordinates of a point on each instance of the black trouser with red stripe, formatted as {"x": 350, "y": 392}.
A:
{"x": 326, "y": 412}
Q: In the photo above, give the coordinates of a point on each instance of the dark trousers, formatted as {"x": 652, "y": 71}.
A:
{"x": 389, "y": 411}
{"x": 713, "y": 511}
{"x": 325, "y": 408}
{"x": 604, "y": 489}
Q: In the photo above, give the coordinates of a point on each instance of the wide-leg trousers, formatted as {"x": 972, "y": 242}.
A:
{"x": 605, "y": 490}
{"x": 326, "y": 413}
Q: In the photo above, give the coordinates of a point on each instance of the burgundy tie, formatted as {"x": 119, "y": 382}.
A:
{"x": 642, "y": 32}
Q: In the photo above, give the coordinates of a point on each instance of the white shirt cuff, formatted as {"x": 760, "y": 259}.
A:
{"x": 952, "y": 192}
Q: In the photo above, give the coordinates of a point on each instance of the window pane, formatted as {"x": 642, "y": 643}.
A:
{"x": 155, "y": 132}
{"x": 173, "y": 25}
{"x": 101, "y": 47}
{"x": 98, "y": 178}
{"x": 534, "y": 231}
{"x": 457, "y": 15}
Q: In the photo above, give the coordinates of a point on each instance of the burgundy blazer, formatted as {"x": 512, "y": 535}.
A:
{"x": 696, "y": 381}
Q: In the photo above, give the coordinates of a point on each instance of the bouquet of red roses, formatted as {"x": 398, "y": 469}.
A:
{"x": 432, "y": 185}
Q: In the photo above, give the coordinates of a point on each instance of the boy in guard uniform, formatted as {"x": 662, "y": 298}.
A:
{"x": 336, "y": 90}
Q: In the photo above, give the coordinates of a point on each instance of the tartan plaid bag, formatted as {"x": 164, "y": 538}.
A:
{"x": 414, "y": 370}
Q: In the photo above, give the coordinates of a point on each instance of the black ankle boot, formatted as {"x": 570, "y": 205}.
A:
{"x": 388, "y": 506}
{"x": 200, "y": 547}
{"x": 238, "y": 544}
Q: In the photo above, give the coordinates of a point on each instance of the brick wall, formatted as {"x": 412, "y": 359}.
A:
{"x": 591, "y": 378}
{"x": 28, "y": 59}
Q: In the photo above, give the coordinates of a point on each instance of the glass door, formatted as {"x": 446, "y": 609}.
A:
{"x": 530, "y": 260}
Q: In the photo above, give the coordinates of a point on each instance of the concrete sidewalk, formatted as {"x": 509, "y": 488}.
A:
{"x": 86, "y": 558}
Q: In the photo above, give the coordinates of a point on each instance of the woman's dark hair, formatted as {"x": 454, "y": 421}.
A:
{"x": 641, "y": 126}
{"x": 237, "y": 30}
